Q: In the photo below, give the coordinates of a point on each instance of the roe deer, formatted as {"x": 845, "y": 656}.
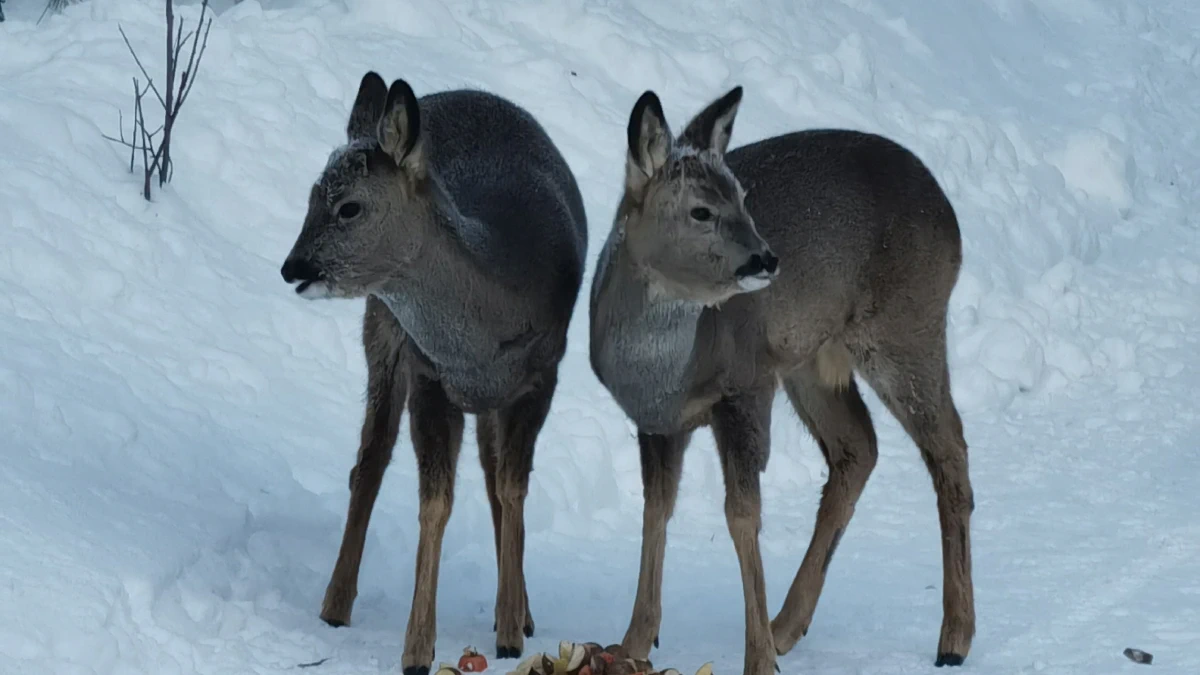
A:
{"x": 796, "y": 259}
{"x": 459, "y": 221}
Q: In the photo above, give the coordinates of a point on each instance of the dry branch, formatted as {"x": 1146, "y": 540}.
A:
{"x": 156, "y": 154}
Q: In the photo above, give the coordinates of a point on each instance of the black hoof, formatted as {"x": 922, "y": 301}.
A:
{"x": 507, "y": 652}
{"x": 416, "y": 670}
{"x": 948, "y": 660}
{"x": 528, "y": 630}
{"x": 656, "y": 642}
{"x": 334, "y": 622}
{"x": 493, "y": 626}
{"x": 777, "y": 668}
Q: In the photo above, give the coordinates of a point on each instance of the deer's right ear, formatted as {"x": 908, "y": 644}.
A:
{"x": 400, "y": 128}
{"x": 368, "y": 107}
{"x": 650, "y": 142}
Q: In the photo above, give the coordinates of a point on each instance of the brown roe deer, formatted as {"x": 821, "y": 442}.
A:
{"x": 459, "y": 221}
{"x": 795, "y": 260}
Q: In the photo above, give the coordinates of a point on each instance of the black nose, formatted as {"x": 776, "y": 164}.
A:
{"x": 295, "y": 269}
{"x": 770, "y": 262}
{"x": 767, "y": 262}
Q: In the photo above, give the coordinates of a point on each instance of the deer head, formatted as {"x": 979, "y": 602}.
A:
{"x": 686, "y": 224}
{"x": 373, "y": 203}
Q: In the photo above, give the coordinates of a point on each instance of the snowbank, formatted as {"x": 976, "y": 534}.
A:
{"x": 180, "y": 425}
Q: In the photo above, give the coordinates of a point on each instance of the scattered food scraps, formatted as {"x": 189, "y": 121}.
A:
{"x": 472, "y": 661}
{"x": 589, "y": 658}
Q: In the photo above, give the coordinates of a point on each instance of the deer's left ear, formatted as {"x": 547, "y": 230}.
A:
{"x": 713, "y": 127}
{"x": 368, "y": 107}
{"x": 650, "y": 142}
{"x": 399, "y": 129}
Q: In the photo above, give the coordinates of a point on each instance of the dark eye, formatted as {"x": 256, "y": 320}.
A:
{"x": 702, "y": 214}
{"x": 349, "y": 210}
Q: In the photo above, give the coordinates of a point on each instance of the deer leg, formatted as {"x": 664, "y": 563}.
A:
{"x": 662, "y": 467}
{"x": 437, "y": 429}
{"x": 485, "y": 437}
{"x": 914, "y": 383}
{"x": 383, "y": 341}
{"x": 487, "y": 433}
{"x": 519, "y": 426}
{"x": 841, "y": 424}
{"x": 742, "y": 429}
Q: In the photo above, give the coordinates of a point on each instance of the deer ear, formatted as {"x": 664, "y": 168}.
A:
{"x": 650, "y": 142}
{"x": 712, "y": 128}
{"x": 399, "y": 129}
{"x": 368, "y": 107}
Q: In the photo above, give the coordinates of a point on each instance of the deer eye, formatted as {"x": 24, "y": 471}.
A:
{"x": 349, "y": 210}
{"x": 701, "y": 214}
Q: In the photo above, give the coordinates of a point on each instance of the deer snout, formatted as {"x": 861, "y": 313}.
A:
{"x": 758, "y": 272}
{"x": 760, "y": 264}
{"x": 298, "y": 269}
{"x": 312, "y": 283}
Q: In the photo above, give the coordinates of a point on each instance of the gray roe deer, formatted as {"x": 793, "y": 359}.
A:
{"x": 459, "y": 221}
{"x": 797, "y": 260}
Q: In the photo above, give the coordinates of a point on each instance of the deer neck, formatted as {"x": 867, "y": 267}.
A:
{"x": 457, "y": 310}
{"x": 642, "y": 343}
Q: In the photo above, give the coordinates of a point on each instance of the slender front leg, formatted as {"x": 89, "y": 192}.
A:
{"x": 519, "y": 426}
{"x": 662, "y": 467}
{"x": 487, "y": 428}
{"x": 383, "y": 342}
{"x": 437, "y": 428}
{"x": 487, "y": 434}
{"x": 742, "y": 427}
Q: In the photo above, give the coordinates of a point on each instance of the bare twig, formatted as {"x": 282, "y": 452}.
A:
{"x": 189, "y": 73}
{"x": 168, "y": 118}
{"x": 121, "y": 126}
{"x": 140, "y": 66}
{"x": 156, "y": 152}
{"x": 140, "y": 122}
{"x": 176, "y": 97}
{"x": 52, "y": 7}
{"x": 129, "y": 144}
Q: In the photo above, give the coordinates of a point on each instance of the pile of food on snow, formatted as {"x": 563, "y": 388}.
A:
{"x": 583, "y": 658}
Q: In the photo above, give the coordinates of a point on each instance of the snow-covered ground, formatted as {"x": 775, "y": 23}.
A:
{"x": 176, "y": 425}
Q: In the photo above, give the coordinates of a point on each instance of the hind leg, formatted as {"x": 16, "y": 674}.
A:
{"x": 912, "y": 377}
{"x": 839, "y": 421}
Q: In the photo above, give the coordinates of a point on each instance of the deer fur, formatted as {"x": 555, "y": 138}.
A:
{"x": 458, "y": 220}
{"x": 797, "y": 259}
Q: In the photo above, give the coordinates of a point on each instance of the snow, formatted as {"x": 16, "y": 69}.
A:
{"x": 179, "y": 426}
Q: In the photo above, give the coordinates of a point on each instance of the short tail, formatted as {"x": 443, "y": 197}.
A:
{"x": 835, "y": 365}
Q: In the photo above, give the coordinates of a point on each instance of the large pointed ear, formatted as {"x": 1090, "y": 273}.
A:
{"x": 650, "y": 141}
{"x": 368, "y": 107}
{"x": 400, "y": 127}
{"x": 711, "y": 129}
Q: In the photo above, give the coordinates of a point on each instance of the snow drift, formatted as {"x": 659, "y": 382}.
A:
{"x": 179, "y": 425}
